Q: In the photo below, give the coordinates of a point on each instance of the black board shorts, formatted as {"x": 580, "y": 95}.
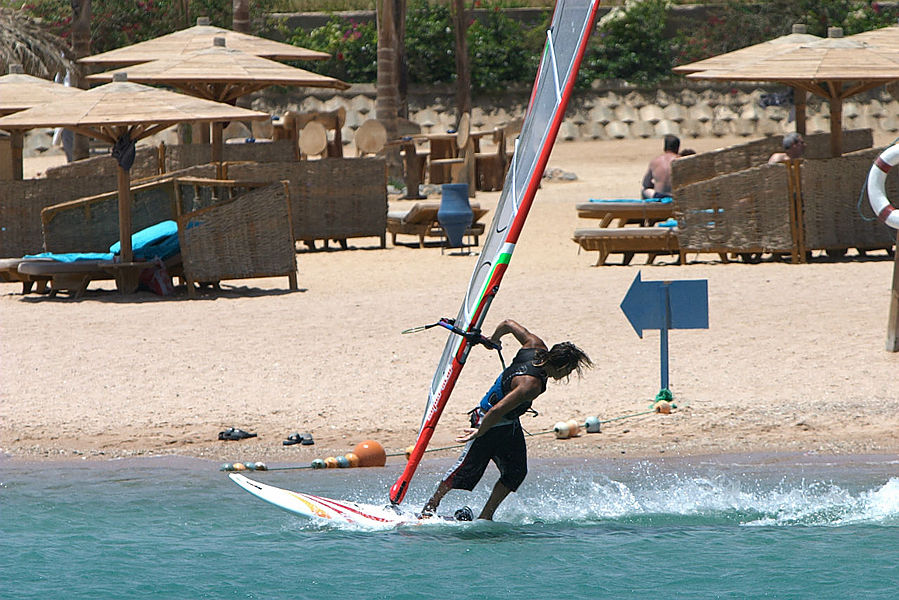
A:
{"x": 504, "y": 445}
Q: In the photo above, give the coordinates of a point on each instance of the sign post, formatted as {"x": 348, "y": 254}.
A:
{"x": 665, "y": 305}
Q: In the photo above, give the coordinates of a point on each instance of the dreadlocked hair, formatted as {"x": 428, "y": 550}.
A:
{"x": 564, "y": 355}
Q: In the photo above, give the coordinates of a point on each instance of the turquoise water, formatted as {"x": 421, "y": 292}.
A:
{"x": 729, "y": 527}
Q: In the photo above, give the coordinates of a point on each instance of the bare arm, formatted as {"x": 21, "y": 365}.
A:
{"x": 524, "y": 337}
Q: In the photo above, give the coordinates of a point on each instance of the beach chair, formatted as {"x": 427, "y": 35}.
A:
{"x": 9, "y": 272}
{"x": 491, "y": 167}
{"x": 421, "y": 220}
{"x": 629, "y": 241}
{"x": 74, "y": 271}
{"x": 627, "y": 212}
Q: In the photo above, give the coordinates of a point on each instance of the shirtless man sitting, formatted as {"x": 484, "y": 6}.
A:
{"x": 657, "y": 181}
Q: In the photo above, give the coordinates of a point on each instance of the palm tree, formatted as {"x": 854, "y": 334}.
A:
{"x": 23, "y": 41}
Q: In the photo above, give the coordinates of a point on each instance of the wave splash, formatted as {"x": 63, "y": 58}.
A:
{"x": 678, "y": 499}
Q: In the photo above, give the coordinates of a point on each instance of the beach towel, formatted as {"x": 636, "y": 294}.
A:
{"x": 665, "y": 200}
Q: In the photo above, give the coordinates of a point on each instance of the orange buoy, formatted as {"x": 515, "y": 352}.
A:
{"x": 574, "y": 428}
{"x": 409, "y": 451}
{"x": 352, "y": 459}
{"x": 370, "y": 453}
{"x": 663, "y": 407}
{"x": 331, "y": 462}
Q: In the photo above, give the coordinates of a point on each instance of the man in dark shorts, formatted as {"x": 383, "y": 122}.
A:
{"x": 495, "y": 433}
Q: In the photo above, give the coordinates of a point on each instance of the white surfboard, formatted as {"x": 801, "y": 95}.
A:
{"x": 340, "y": 511}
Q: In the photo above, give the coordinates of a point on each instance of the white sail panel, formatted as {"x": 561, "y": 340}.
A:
{"x": 567, "y": 37}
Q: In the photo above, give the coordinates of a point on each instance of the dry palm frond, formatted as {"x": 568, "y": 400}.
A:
{"x": 23, "y": 41}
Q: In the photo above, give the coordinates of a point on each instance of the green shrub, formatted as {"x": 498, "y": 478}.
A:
{"x": 430, "y": 43}
{"x": 353, "y": 48}
{"x": 737, "y": 24}
{"x": 631, "y": 44}
{"x": 115, "y": 23}
{"x": 503, "y": 51}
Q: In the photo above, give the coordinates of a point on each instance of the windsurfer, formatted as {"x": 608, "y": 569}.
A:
{"x": 495, "y": 433}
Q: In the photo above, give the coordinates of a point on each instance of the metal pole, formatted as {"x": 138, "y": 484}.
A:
{"x": 663, "y": 338}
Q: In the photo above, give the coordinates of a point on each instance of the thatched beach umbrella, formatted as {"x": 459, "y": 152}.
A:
{"x": 220, "y": 73}
{"x": 834, "y": 69}
{"x": 751, "y": 54}
{"x": 122, "y": 113}
{"x": 755, "y": 53}
{"x": 197, "y": 38}
{"x": 19, "y": 91}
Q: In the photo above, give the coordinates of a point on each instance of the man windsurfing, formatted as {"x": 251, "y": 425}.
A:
{"x": 495, "y": 433}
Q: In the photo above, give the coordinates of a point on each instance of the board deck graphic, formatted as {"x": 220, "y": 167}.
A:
{"x": 318, "y": 507}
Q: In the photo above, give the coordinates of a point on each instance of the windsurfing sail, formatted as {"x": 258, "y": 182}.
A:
{"x": 566, "y": 41}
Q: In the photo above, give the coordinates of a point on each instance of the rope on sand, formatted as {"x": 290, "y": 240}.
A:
{"x": 662, "y": 405}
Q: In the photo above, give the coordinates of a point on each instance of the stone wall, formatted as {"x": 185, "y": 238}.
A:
{"x": 614, "y": 112}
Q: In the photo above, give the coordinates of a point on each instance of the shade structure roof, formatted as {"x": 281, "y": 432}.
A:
{"x": 886, "y": 38}
{"x": 108, "y": 111}
{"x": 19, "y": 92}
{"x": 833, "y": 68}
{"x": 750, "y": 54}
{"x": 197, "y": 38}
{"x": 220, "y": 73}
{"x": 830, "y": 59}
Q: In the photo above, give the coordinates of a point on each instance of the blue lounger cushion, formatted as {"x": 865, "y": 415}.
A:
{"x": 157, "y": 240}
{"x": 665, "y": 200}
{"x": 672, "y": 222}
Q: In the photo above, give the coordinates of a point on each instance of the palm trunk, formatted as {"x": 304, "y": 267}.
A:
{"x": 463, "y": 70}
{"x": 81, "y": 46}
{"x": 241, "y": 19}
{"x": 387, "y": 103}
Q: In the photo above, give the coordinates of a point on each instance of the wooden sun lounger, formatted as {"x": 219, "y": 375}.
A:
{"x": 74, "y": 277}
{"x": 643, "y": 213}
{"x": 628, "y": 241}
{"x": 421, "y": 220}
{"x": 9, "y": 272}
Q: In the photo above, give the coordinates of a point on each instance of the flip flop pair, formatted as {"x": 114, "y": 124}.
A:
{"x": 235, "y": 434}
{"x": 299, "y": 438}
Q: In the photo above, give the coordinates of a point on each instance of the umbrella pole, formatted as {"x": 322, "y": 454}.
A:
{"x": 125, "y": 214}
{"x": 217, "y": 134}
{"x": 799, "y": 102}
{"x": 836, "y": 126}
{"x": 16, "y": 145}
{"x": 126, "y": 277}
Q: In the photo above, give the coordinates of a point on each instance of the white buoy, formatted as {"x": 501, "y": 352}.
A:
{"x": 561, "y": 430}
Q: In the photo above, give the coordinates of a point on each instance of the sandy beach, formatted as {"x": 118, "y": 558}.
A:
{"x": 793, "y": 361}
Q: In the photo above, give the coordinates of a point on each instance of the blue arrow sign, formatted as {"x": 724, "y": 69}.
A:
{"x": 665, "y": 305}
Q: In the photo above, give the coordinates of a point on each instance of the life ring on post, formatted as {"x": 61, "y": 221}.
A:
{"x": 886, "y": 212}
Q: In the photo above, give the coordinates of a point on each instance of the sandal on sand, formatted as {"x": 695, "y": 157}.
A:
{"x": 306, "y": 439}
{"x": 235, "y": 434}
{"x": 293, "y": 438}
